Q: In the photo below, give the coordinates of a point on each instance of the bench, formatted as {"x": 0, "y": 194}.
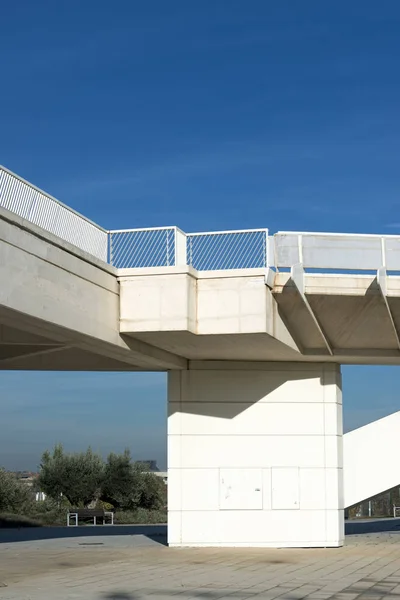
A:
{"x": 86, "y": 514}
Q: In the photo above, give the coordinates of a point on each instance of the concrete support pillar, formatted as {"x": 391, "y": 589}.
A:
{"x": 255, "y": 455}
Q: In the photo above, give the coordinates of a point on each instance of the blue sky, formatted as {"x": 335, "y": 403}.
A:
{"x": 205, "y": 115}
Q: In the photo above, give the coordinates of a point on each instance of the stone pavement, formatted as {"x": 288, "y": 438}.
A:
{"x": 134, "y": 567}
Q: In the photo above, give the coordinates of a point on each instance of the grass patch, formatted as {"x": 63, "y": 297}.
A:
{"x": 141, "y": 516}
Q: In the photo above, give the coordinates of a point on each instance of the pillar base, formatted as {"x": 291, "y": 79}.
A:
{"x": 255, "y": 456}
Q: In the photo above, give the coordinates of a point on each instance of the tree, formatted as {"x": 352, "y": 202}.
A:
{"x": 118, "y": 481}
{"x": 14, "y": 495}
{"x": 152, "y": 493}
{"x": 76, "y": 476}
{"x": 127, "y": 487}
{"x": 83, "y": 478}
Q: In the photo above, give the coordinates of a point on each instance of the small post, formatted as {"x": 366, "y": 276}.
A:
{"x": 265, "y": 249}
{"x": 383, "y": 252}
{"x": 180, "y": 248}
{"x": 110, "y": 248}
{"x": 300, "y": 247}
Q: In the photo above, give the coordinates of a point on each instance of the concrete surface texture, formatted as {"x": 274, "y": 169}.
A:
{"x": 257, "y": 314}
{"x": 132, "y": 567}
{"x": 60, "y": 308}
{"x": 255, "y": 456}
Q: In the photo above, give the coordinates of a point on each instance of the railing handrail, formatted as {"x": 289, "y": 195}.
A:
{"x": 37, "y": 189}
{"x": 228, "y": 231}
{"x": 205, "y": 250}
{"x": 336, "y": 251}
{"x": 137, "y": 229}
{"x": 332, "y": 234}
{"x": 191, "y": 234}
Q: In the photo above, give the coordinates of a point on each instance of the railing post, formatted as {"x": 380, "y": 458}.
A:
{"x": 180, "y": 248}
{"x": 383, "y": 252}
{"x": 270, "y": 251}
{"x": 265, "y": 249}
{"x": 189, "y": 251}
{"x": 110, "y": 248}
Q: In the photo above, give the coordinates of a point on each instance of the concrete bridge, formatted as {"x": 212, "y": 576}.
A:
{"x": 252, "y": 329}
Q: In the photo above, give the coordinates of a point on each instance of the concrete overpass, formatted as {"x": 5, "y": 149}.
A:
{"x": 252, "y": 329}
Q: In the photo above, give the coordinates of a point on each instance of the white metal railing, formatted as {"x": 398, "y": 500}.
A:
{"x": 220, "y": 250}
{"x": 135, "y": 248}
{"x": 29, "y": 202}
{"x": 253, "y": 248}
{"x": 169, "y": 246}
{"x": 205, "y": 251}
{"x": 335, "y": 251}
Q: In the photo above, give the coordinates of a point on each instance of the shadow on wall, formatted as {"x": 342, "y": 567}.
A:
{"x": 213, "y": 398}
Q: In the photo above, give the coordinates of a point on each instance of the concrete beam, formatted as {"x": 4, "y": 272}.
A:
{"x": 67, "y": 359}
{"x": 134, "y": 355}
{"x": 17, "y": 337}
{"x": 381, "y": 279}
{"x": 20, "y": 351}
{"x": 297, "y": 276}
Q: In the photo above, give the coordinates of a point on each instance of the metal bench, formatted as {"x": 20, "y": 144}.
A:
{"x": 86, "y": 514}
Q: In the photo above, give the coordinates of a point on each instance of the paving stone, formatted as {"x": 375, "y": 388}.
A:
{"x": 133, "y": 568}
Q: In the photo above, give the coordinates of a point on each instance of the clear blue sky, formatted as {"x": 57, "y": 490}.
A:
{"x": 206, "y": 115}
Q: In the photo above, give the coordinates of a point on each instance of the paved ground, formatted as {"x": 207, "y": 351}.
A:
{"x": 133, "y": 566}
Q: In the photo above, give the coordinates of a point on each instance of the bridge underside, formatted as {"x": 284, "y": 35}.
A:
{"x": 254, "y": 316}
{"x": 22, "y": 348}
{"x": 342, "y": 318}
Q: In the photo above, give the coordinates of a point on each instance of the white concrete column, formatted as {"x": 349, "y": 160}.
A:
{"x": 255, "y": 455}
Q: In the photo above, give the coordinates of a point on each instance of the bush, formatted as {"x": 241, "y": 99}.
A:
{"x": 14, "y": 495}
{"x": 50, "y": 512}
{"x": 140, "y": 516}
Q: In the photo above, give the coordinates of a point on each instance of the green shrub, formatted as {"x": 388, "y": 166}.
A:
{"x": 15, "y": 497}
{"x": 50, "y": 512}
{"x": 140, "y": 516}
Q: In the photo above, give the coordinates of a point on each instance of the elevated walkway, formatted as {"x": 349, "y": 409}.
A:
{"x": 172, "y": 297}
{"x": 252, "y": 329}
{"x": 59, "y": 307}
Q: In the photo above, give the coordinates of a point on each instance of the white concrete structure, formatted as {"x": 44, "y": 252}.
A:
{"x": 252, "y": 341}
{"x": 255, "y": 455}
{"x": 371, "y": 459}
{"x": 59, "y": 307}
